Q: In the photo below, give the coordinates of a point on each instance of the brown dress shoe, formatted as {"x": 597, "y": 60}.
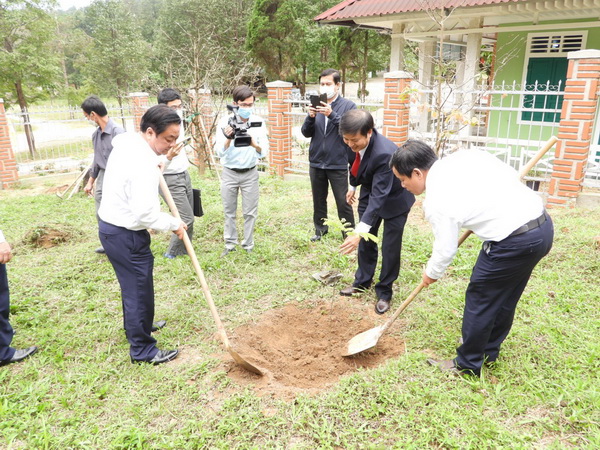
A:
{"x": 350, "y": 290}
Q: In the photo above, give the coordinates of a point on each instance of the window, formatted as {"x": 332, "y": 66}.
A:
{"x": 546, "y": 73}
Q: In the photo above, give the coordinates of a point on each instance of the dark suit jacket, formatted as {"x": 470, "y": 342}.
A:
{"x": 381, "y": 194}
{"x": 327, "y": 149}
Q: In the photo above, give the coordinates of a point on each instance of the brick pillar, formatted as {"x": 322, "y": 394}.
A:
{"x": 280, "y": 126}
{"x": 8, "y": 164}
{"x": 200, "y": 127}
{"x": 140, "y": 105}
{"x": 396, "y": 106}
{"x": 576, "y": 128}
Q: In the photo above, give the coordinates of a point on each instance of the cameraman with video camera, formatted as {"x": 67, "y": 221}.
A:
{"x": 241, "y": 142}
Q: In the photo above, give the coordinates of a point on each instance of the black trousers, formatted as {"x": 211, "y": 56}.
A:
{"x": 391, "y": 248}
{"x": 498, "y": 279}
{"x": 6, "y": 331}
{"x": 129, "y": 253}
{"x": 320, "y": 179}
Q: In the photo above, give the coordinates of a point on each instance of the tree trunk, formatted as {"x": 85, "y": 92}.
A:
{"x": 120, "y": 101}
{"x": 64, "y": 71}
{"x": 363, "y": 69}
{"x": 26, "y": 120}
{"x": 303, "y": 89}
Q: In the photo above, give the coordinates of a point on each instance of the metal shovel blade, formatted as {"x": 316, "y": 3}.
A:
{"x": 242, "y": 362}
{"x": 364, "y": 341}
{"x": 368, "y": 339}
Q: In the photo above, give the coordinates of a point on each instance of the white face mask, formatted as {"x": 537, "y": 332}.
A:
{"x": 329, "y": 90}
{"x": 179, "y": 113}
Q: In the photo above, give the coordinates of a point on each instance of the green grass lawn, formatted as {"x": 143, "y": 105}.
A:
{"x": 81, "y": 391}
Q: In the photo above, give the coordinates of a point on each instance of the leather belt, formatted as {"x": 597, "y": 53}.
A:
{"x": 531, "y": 225}
{"x": 242, "y": 170}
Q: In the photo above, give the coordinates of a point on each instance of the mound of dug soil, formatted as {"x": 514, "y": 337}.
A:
{"x": 46, "y": 237}
{"x": 300, "y": 347}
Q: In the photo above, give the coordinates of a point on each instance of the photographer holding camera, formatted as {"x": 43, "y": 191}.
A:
{"x": 242, "y": 142}
{"x": 328, "y": 154}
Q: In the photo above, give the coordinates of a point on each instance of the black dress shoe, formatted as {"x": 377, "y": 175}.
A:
{"x": 351, "y": 290}
{"x": 446, "y": 365}
{"x": 19, "y": 355}
{"x": 162, "y": 356}
{"x": 227, "y": 251}
{"x": 382, "y": 306}
{"x": 158, "y": 325}
{"x": 449, "y": 366}
{"x": 317, "y": 237}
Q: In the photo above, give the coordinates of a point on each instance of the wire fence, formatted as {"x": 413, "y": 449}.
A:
{"x": 60, "y": 139}
{"x": 511, "y": 121}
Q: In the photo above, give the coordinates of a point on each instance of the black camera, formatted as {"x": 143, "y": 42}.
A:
{"x": 240, "y": 135}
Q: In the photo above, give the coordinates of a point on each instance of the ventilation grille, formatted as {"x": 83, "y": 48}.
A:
{"x": 556, "y": 44}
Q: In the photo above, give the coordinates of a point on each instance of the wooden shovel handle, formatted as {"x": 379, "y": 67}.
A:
{"x": 403, "y": 306}
{"x": 190, "y": 249}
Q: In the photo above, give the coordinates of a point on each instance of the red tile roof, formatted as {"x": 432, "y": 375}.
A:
{"x": 350, "y": 9}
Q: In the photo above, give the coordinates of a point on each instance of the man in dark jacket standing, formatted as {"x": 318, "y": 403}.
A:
{"x": 328, "y": 155}
{"x": 382, "y": 200}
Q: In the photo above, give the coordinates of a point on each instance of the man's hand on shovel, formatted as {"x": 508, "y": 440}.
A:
{"x": 181, "y": 230}
{"x": 427, "y": 280}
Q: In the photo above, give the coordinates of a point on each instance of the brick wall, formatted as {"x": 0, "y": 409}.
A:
{"x": 576, "y": 128}
{"x": 396, "y": 106}
{"x": 8, "y": 164}
{"x": 280, "y": 126}
{"x": 140, "y": 101}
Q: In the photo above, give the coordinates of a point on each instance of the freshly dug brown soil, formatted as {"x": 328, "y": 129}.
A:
{"x": 299, "y": 347}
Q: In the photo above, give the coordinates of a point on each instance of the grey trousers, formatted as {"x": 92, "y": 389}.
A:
{"x": 180, "y": 186}
{"x": 247, "y": 183}
{"x": 98, "y": 190}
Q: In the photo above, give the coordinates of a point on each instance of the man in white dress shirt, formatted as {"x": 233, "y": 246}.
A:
{"x": 130, "y": 205}
{"x": 474, "y": 190}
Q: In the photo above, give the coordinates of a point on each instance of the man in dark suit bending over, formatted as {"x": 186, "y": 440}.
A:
{"x": 381, "y": 199}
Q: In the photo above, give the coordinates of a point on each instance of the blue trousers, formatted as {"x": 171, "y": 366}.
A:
{"x": 129, "y": 253}
{"x": 498, "y": 279}
{"x": 6, "y": 331}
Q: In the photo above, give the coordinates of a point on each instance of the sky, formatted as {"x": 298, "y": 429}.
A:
{"x": 66, "y": 4}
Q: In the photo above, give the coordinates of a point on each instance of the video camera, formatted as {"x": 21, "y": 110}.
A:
{"x": 240, "y": 135}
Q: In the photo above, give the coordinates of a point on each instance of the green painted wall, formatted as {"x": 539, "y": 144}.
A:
{"x": 510, "y": 67}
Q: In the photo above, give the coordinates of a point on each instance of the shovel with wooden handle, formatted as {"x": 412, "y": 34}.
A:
{"x": 211, "y": 304}
{"x": 368, "y": 339}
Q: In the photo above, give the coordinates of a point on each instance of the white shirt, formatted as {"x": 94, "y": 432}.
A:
{"x": 361, "y": 227}
{"x": 130, "y": 188}
{"x": 179, "y": 163}
{"x": 2, "y": 239}
{"x": 473, "y": 189}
